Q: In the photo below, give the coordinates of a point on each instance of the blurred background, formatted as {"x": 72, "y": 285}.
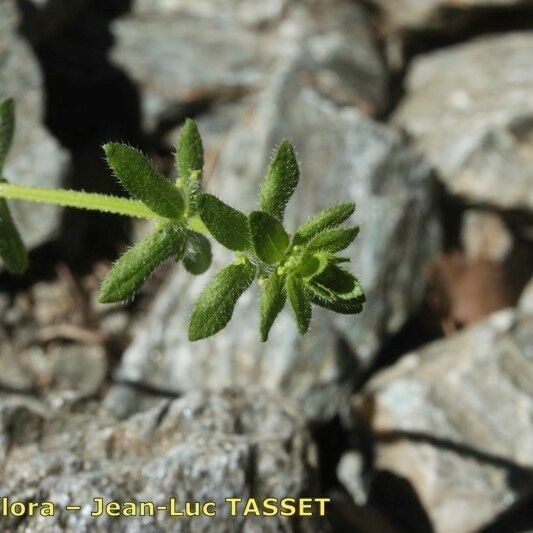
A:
{"x": 416, "y": 415}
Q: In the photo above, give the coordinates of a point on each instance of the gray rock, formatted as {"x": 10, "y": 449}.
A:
{"x": 35, "y": 158}
{"x": 186, "y": 52}
{"x": 203, "y": 447}
{"x": 171, "y": 65}
{"x": 21, "y": 421}
{"x": 526, "y": 299}
{"x": 469, "y": 110}
{"x": 344, "y": 156}
{"x": 350, "y": 472}
{"x": 345, "y": 65}
{"x": 246, "y": 12}
{"x": 14, "y": 375}
{"x": 455, "y": 419}
{"x": 77, "y": 371}
{"x": 47, "y": 346}
{"x": 484, "y": 234}
{"x": 63, "y": 374}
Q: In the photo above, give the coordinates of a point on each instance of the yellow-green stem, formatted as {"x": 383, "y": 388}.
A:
{"x": 195, "y": 223}
{"x": 77, "y": 199}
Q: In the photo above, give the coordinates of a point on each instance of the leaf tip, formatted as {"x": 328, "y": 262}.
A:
{"x": 7, "y": 104}
{"x": 286, "y": 145}
{"x": 193, "y": 337}
{"x": 105, "y": 297}
{"x": 190, "y": 124}
{"x": 110, "y": 148}
{"x": 195, "y": 333}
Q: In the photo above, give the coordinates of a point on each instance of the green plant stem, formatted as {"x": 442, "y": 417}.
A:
{"x": 77, "y": 199}
{"x": 90, "y": 201}
{"x": 195, "y": 223}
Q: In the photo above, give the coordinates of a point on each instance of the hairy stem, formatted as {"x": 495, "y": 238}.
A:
{"x": 77, "y": 199}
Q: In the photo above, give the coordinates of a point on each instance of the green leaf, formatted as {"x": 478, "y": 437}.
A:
{"x": 227, "y": 225}
{"x": 7, "y": 128}
{"x": 300, "y": 303}
{"x": 12, "y": 248}
{"x": 273, "y": 300}
{"x": 343, "y": 307}
{"x": 309, "y": 265}
{"x": 336, "y": 283}
{"x": 329, "y": 218}
{"x": 337, "y": 290}
{"x": 142, "y": 181}
{"x": 135, "y": 266}
{"x": 269, "y": 237}
{"x": 333, "y": 240}
{"x": 197, "y": 256}
{"x": 214, "y": 307}
{"x": 280, "y": 181}
{"x": 190, "y": 151}
{"x": 312, "y": 263}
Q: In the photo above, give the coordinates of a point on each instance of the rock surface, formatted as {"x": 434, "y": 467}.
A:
{"x": 247, "y": 12}
{"x": 188, "y": 53}
{"x": 21, "y": 420}
{"x": 358, "y": 160}
{"x": 350, "y": 473}
{"x": 484, "y": 234}
{"x": 203, "y": 447}
{"x": 470, "y": 111}
{"x": 455, "y": 419}
{"x": 35, "y": 157}
{"x": 526, "y": 299}
{"x": 55, "y": 343}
